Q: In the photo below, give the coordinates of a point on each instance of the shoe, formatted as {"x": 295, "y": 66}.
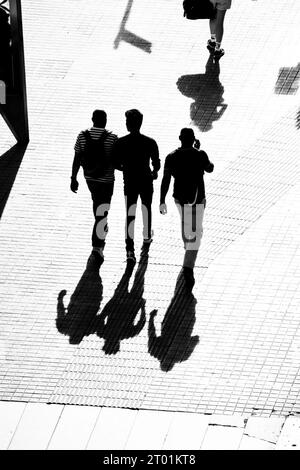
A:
{"x": 188, "y": 275}
{"x": 149, "y": 240}
{"x": 218, "y": 53}
{"x": 211, "y": 45}
{"x": 131, "y": 256}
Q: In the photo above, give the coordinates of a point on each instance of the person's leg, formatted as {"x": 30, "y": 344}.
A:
{"x": 189, "y": 256}
{"x": 146, "y": 195}
{"x": 131, "y": 197}
{"x": 101, "y": 194}
{"x": 216, "y": 31}
{"x": 217, "y": 26}
{"x": 180, "y": 208}
{"x": 193, "y": 228}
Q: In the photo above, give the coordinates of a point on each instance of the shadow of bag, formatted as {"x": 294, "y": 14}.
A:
{"x": 198, "y": 9}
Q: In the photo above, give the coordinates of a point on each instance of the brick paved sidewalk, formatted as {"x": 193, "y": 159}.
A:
{"x": 243, "y": 315}
{"x": 40, "y": 426}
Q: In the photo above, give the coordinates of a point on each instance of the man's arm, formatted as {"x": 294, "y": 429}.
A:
{"x": 155, "y": 160}
{"x": 75, "y": 169}
{"x": 165, "y": 184}
{"x": 76, "y": 164}
{"x": 164, "y": 188}
{"x": 208, "y": 165}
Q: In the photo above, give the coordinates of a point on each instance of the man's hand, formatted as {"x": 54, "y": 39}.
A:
{"x": 196, "y": 144}
{"x": 154, "y": 175}
{"x": 163, "y": 208}
{"x": 153, "y": 313}
{"x": 74, "y": 185}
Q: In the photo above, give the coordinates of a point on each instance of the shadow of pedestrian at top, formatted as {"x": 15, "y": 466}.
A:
{"x": 207, "y": 92}
{"x": 175, "y": 343}
{"x": 127, "y": 36}
{"x": 78, "y": 319}
{"x": 124, "y": 316}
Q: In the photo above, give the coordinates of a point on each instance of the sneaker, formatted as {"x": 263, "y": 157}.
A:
{"x": 147, "y": 241}
{"x": 188, "y": 275}
{"x": 131, "y": 256}
{"x": 218, "y": 54}
{"x": 211, "y": 45}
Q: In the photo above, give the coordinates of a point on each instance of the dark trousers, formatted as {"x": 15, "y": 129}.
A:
{"x": 101, "y": 195}
{"x": 145, "y": 192}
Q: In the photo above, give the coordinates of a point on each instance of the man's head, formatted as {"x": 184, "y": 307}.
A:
{"x": 134, "y": 119}
{"x": 99, "y": 118}
{"x": 187, "y": 137}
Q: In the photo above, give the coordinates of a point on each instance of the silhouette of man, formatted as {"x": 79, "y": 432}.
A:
{"x": 100, "y": 181}
{"x": 132, "y": 155}
{"x": 187, "y": 165}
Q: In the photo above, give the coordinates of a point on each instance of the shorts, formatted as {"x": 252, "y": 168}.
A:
{"x": 221, "y": 4}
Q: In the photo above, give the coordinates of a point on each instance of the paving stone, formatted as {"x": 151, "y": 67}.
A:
{"x": 186, "y": 431}
{"x": 222, "y": 438}
{"x": 267, "y": 429}
{"x": 36, "y": 426}
{"x": 252, "y": 443}
{"x": 74, "y": 428}
{"x": 289, "y": 438}
{"x": 10, "y": 415}
{"x": 150, "y": 430}
{"x": 112, "y": 429}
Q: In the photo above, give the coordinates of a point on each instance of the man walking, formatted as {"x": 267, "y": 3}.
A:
{"x": 187, "y": 165}
{"x": 93, "y": 151}
{"x": 132, "y": 155}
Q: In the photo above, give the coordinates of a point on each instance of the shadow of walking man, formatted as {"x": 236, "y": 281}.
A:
{"x": 207, "y": 93}
{"x": 175, "y": 343}
{"x": 78, "y": 319}
{"x": 124, "y": 316}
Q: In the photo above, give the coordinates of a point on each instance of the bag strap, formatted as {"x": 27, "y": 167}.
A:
{"x": 102, "y": 137}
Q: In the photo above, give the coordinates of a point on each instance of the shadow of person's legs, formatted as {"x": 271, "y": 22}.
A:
{"x": 124, "y": 316}
{"x": 175, "y": 343}
{"x": 78, "y": 319}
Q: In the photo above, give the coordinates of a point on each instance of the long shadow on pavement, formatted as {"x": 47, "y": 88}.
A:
{"x": 10, "y": 163}
{"x": 175, "y": 343}
{"x": 78, "y": 319}
{"x": 127, "y": 36}
{"x": 207, "y": 92}
{"x": 124, "y": 316}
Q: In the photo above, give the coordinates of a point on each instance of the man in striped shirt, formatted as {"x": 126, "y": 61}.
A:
{"x": 101, "y": 183}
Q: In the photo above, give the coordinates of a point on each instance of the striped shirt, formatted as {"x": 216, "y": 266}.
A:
{"x": 109, "y": 142}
